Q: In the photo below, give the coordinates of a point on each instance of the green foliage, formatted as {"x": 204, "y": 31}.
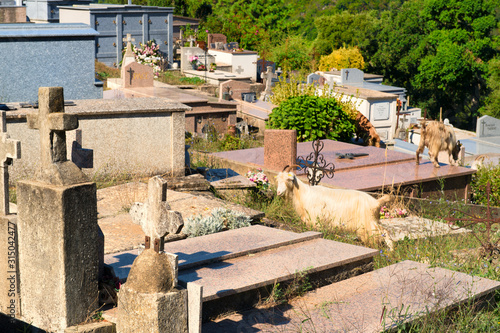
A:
{"x": 220, "y": 219}
{"x": 342, "y": 58}
{"x": 230, "y": 143}
{"x": 314, "y": 118}
{"x": 292, "y": 54}
{"x": 487, "y": 173}
{"x": 345, "y": 29}
{"x": 439, "y": 51}
{"x": 492, "y": 105}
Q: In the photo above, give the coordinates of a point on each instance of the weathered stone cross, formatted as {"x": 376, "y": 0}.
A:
{"x": 268, "y": 76}
{"x": 9, "y": 149}
{"x": 53, "y": 123}
{"x": 239, "y": 70}
{"x": 155, "y": 216}
{"x": 129, "y": 41}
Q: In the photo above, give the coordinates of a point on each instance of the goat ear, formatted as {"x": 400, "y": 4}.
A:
{"x": 290, "y": 176}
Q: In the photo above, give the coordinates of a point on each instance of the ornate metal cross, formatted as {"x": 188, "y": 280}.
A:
{"x": 314, "y": 165}
{"x": 9, "y": 149}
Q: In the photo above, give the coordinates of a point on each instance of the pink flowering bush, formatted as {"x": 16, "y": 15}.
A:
{"x": 386, "y": 213}
{"x": 149, "y": 54}
{"x": 259, "y": 178}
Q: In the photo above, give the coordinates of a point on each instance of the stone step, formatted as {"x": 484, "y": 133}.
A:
{"x": 371, "y": 302}
{"x": 216, "y": 247}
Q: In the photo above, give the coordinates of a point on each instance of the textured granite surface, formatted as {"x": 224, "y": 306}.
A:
{"x": 417, "y": 227}
{"x": 363, "y": 303}
{"x": 46, "y": 55}
{"x": 194, "y": 252}
{"x": 280, "y": 148}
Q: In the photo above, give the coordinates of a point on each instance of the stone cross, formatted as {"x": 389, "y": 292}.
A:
{"x": 129, "y": 55}
{"x": 191, "y": 40}
{"x": 52, "y": 123}
{"x": 239, "y": 70}
{"x": 155, "y": 216}
{"x": 268, "y": 76}
{"x": 129, "y": 41}
{"x": 9, "y": 149}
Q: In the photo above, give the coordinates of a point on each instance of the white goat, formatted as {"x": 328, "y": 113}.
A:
{"x": 353, "y": 209}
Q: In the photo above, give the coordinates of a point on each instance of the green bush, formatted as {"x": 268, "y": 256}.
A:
{"x": 220, "y": 219}
{"x": 314, "y": 118}
{"x": 487, "y": 173}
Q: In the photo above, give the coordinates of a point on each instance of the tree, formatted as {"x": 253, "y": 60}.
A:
{"x": 492, "y": 105}
{"x": 342, "y": 58}
{"x": 439, "y": 50}
{"x": 292, "y": 54}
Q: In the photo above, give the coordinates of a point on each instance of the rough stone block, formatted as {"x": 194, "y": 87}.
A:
{"x": 100, "y": 327}
{"x": 14, "y": 14}
{"x": 152, "y": 312}
{"x": 9, "y": 269}
{"x": 280, "y": 148}
{"x": 136, "y": 75}
{"x": 58, "y": 253}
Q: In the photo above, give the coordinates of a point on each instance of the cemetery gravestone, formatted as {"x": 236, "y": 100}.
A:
{"x": 488, "y": 126}
{"x": 57, "y": 226}
{"x": 217, "y": 38}
{"x": 149, "y": 301}
{"x": 129, "y": 55}
{"x": 137, "y": 75}
{"x": 9, "y": 268}
{"x": 268, "y": 77}
{"x": 280, "y": 148}
{"x": 313, "y": 78}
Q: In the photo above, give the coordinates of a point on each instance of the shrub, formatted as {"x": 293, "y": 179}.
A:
{"x": 218, "y": 220}
{"x": 487, "y": 173}
{"x": 342, "y": 58}
{"x": 314, "y": 118}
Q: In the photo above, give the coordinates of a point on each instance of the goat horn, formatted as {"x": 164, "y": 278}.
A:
{"x": 286, "y": 167}
{"x": 290, "y": 166}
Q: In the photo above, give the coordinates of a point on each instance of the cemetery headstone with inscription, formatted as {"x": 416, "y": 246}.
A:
{"x": 137, "y": 76}
{"x": 488, "y": 126}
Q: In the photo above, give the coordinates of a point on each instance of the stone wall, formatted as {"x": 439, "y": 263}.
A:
{"x": 138, "y": 136}
{"x": 12, "y": 14}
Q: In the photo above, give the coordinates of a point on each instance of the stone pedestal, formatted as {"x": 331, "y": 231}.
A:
{"x": 152, "y": 312}
{"x": 58, "y": 256}
{"x": 280, "y": 148}
{"x": 9, "y": 268}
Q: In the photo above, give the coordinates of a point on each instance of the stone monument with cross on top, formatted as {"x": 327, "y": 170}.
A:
{"x": 155, "y": 216}
{"x": 9, "y": 149}
{"x": 58, "y": 234}
{"x": 52, "y": 123}
{"x": 268, "y": 77}
{"x": 129, "y": 55}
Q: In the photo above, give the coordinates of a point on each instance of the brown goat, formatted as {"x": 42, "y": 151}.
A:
{"x": 366, "y": 131}
{"x": 437, "y": 137}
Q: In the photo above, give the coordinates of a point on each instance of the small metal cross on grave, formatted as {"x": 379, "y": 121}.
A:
{"x": 155, "y": 216}
{"x": 315, "y": 165}
{"x": 9, "y": 149}
{"x": 131, "y": 72}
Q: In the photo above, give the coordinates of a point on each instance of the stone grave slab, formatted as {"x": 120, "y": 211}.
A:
{"x": 418, "y": 227}
{"x": 370, "y": 173}
{"x": 216, "y": 247}
{"x": 237, "y": 275}
{"x": 357, "y": 304}
{"x": 122, "y": 234}
{"x": 488, "y": 126}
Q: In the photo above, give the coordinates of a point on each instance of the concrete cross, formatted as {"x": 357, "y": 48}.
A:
{"x": 128, "y": 53}
{"x": 129, "y": 41}
{"x": 239, "y": 70}
{"x": 9, "y": 149}
{"x": 191, "y": 40}
{"x": 268, "y": 77}
{"x": 52, "y": 123}
{"x": 155, "y": 216}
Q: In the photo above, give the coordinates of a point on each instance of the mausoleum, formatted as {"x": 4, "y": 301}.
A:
{"x": 114, "y": 22}
{"x": 48, "y": 55}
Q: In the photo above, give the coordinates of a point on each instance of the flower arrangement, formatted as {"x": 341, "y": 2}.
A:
{"x": 386, "y": 213}
{"x": 259, "y": 178}
{"x": 149, "y": 54}
{"x": 213, "y": 66}
{"x": 201, "y": 68}
{"x": 193, "y": 60}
